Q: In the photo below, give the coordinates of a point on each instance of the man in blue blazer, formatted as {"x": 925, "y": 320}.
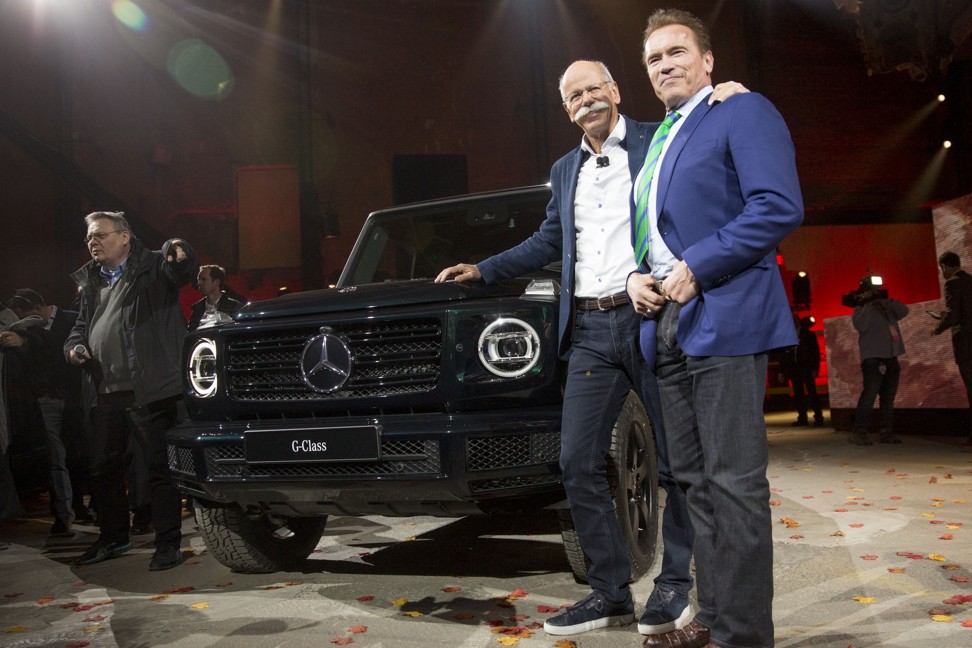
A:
{"x": 589, "y": 227}
{"x": 720, "y": 198}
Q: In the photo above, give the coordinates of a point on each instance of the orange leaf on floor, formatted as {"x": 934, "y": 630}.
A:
{"x": 896, "y": 570}
{"x": 951, "y": 567}
{"x": 869, "y": 557}
{"x": 565, "y": 643}
{"x": 452, "y": 588}
{"x": 838, "y": 534}
{"x": 967, "y": 624}
{"x": 797, "y": 537}
{"x": 946, "y": 536}
{"x": 775, "y": 503}
{"x": 357, "y": 629}
{"x": 959, "y": 579}
{"x": 46, "y": 600}
{"x": 547, "y": 608}
{"x": 789, "y": 522}
{"x": 855, "y": 525}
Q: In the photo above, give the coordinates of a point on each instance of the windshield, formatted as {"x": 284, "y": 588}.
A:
{"x": 419, "y": 243}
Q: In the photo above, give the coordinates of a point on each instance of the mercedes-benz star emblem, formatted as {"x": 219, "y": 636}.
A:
{"x": 326, "y": 363}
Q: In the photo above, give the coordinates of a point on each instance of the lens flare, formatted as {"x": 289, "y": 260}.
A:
{"x": 130, "y": 14}
{"x": 200, "y": 70}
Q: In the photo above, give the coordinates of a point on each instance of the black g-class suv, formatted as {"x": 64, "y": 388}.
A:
{"x": 393, "y": 395}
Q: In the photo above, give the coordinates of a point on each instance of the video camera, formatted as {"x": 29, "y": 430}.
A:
{"x": 868, "y": 290}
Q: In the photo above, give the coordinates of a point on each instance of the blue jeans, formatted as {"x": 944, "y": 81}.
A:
{"x": 604, "y": 365}
{"x": 713, "y": 409}
{"x": 880, "y": 379}
{"x": 52, "y": 411}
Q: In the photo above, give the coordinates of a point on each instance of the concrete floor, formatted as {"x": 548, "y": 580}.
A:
{"x": 881, "y": 556}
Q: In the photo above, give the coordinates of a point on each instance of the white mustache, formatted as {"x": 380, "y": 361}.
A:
{"x": 586, "y": 110}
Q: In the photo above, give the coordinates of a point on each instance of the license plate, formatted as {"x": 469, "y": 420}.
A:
{"x": 302, "y": 445}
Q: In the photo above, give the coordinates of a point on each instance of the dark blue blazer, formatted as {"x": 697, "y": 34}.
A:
{"x": 557, "y": 237}
{"x": 728, "y": 193}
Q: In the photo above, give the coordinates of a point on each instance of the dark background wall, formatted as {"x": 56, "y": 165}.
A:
{"x": 155, "y": 117}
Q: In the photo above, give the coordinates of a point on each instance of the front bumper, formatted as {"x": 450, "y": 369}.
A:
{"x": 428, "y": 464}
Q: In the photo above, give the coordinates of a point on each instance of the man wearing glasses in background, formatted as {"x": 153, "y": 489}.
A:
{"x": 128, "y": 340}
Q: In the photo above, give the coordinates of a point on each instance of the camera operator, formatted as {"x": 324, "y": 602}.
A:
{"x": 876, "y": 318}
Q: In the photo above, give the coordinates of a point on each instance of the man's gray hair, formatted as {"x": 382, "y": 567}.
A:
{"x": 118, "y": 218}
{"x": 604, "y": 71}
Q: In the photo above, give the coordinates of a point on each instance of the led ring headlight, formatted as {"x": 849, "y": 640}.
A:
{"x": 202, "y": 368}
{"x": 509, "y": 347}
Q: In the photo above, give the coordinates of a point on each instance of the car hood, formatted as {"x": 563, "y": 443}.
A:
{"x": 373, "y": 296}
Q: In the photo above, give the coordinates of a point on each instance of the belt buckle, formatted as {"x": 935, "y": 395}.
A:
{"x": 605, "y": 304}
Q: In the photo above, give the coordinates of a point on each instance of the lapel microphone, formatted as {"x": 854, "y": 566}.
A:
{"x": 603, "y": 161}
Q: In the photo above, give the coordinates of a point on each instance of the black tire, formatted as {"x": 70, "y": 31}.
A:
{"x": 257, "y": 545}
{"x": 633, "y": 475}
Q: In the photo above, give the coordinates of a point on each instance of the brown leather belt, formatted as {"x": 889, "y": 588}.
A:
{"x": 603, "y": 303}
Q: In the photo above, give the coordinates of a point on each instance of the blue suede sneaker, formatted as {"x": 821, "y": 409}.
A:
{"x": 590, "y": 613}
{"x": 665, "y": 611}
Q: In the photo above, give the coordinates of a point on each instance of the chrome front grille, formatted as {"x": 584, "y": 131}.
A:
{"x": 390, "y": 358}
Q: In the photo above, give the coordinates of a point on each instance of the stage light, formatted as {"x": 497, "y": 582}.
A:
{"x": 800, "y": 286}
{"x": 947, "y": 144}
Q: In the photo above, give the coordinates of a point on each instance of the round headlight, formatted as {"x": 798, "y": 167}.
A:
{"x": 509, "y": 347}
{"x": 202, "y": 368}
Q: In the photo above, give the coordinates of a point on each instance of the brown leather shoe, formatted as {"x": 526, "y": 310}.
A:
{"x": 694, "y": 635}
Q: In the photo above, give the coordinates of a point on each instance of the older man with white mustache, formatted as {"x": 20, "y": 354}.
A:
{"x": 589, "y": 226}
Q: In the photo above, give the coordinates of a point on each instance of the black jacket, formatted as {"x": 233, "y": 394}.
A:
{"x": 958, "y": 312}
{"x": 153, "y": 325}
{"x": 226, "y": 304}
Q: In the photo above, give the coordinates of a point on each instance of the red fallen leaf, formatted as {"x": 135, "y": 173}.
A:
{"x": 808, "y": 497}
{"x": 517, "y": 594}
{"x": 947, "y": 536}
{"x": 855, "y": 525}
{"x": 959, "y": 579}
{"x": 797, "y": 537}
{"x": 958, "y": 599}
{"x": 451, "y": 589}
{"x": 77, "y": 644}
{"x": 46, "y": 600}
{"x": 547, "y": 608}
{"x": 357, "y": 629}
{"x": 777, "y": 490}
{"x": 967, "y": 624}
{"x": 908, "y": 554}
{"x": 936, "y": 611}
{"x": 365, "y": 599}
{"x": 775, "y": 503}
{"x": 889, "y": 471}
{"x": 343, "y": 641}
{"x": 180, "y": 590}
{"x": 895, "y": 497}
{"x": 83, "y": 608}
{"x": 495, "y": 623}
{"x": 462, "y": 616}
{"x": 933, "y": 480}
{"x": 936, "y": 521}
{"x": 951, "y": 566}
{"x": 840, "y": 510}
{"x": 869, "y": 557}
{"x": 96, "y": 618}
{"x": 519, "y": 617}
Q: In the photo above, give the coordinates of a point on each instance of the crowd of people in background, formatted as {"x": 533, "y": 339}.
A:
{"x": 102, "y": 380}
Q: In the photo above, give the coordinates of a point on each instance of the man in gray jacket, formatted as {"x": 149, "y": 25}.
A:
{"x": 128, "y": 340}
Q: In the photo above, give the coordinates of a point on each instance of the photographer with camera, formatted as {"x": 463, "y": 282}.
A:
{"x": 876, "y": 318}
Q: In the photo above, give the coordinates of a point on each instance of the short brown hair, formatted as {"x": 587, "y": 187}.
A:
{"x": 666, "y": 17}
{"x": 215, "y": 272}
